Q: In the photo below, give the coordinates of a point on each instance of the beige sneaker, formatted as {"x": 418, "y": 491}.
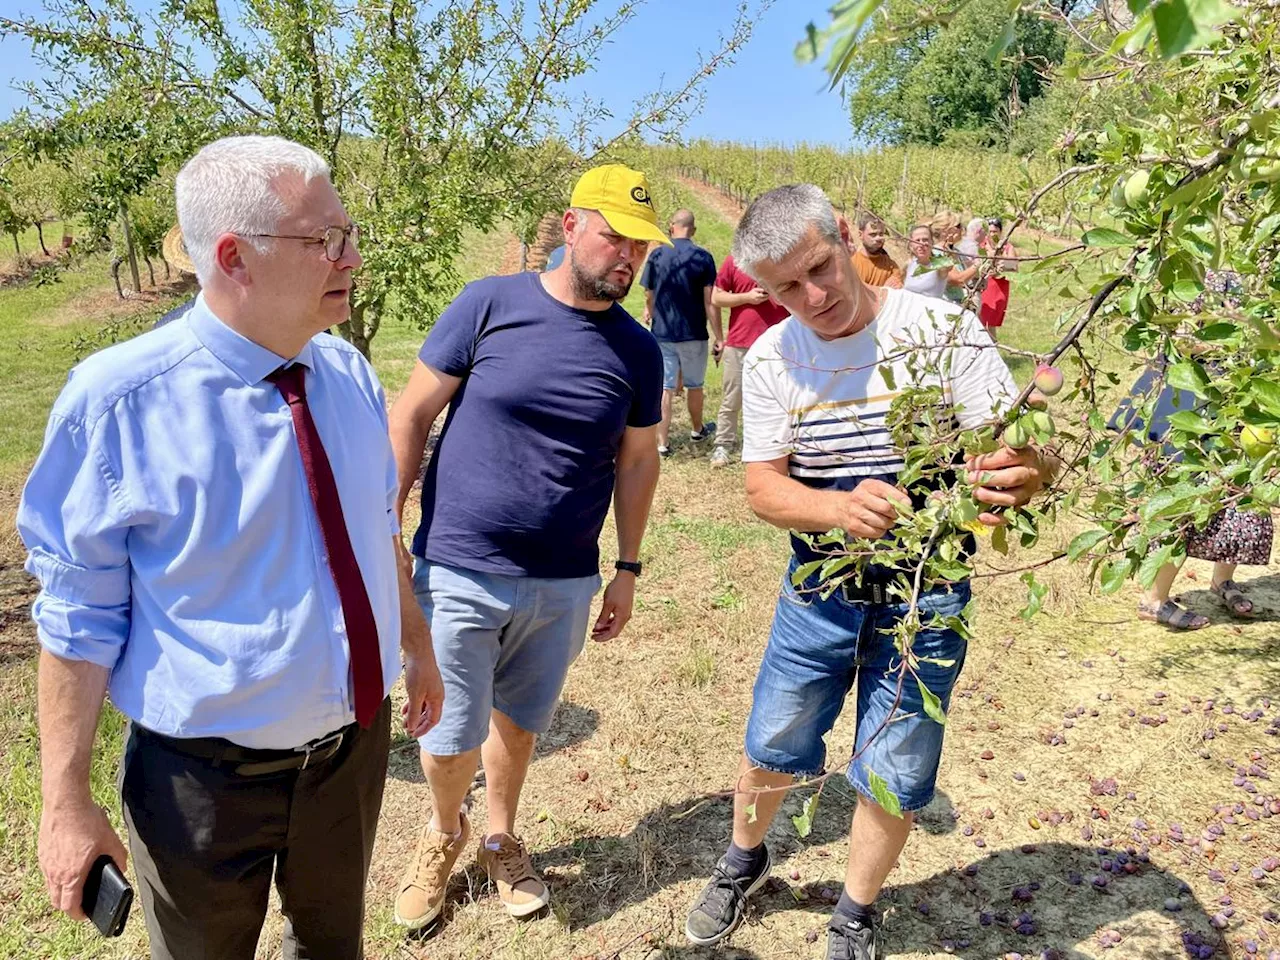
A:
{"x": 421, "y": 896}
{"x": 507, "y": 862}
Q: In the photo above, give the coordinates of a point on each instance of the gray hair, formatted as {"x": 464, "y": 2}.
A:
{"x": 975, "y": 228}
{"x": 777, "y": 221}
{"x": 230, "y": 186}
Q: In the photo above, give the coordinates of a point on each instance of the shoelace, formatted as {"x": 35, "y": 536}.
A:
{"x": 726, "y": 890}
{"x": 515, "y": 862}
{"x": 432, "y": 853}
{"x": 851, "y": 936}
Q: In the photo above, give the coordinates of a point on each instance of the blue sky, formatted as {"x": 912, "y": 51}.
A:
{"x": 764, "y": 97}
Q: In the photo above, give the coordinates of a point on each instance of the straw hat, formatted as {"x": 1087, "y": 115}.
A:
{"x": 175, "y": 251}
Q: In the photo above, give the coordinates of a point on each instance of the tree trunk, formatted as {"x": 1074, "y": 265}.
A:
{"x": 115, "y": 275}
{"x": 358, "y": 331}
{"x": 17, "y": 250}
{"x": 151, "y": 272}
{"x": 40, "y": 234}
{"x": 129, "y": 249}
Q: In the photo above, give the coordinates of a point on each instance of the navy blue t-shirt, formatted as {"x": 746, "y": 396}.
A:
{"x": 521, "y": 478}
{"x": 678, "y": 275}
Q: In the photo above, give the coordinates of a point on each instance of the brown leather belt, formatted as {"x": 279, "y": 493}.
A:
{"x": 245, "y": 762}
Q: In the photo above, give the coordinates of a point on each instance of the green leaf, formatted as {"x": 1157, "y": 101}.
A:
{"x": 883, "y": 796}
{"x": 1267, "y": 395}
{"x": 1035, "y": 595}
{"x": 1190, "y": 376}
{"x": 1186, "y": 290}
{"x": 804, "y": 571}
{"x": 1115, "y": 573}
{"x": 1085, "y": 542}
{"x": 1104, "y": 237}
{"x": 1152, "y": 563}
{"x": 886, "y": 374}
{"x": 1001, "y": 43}
{"x": 1000, "y": 540}
{"x": 932, "y": 703}
{"x": 804, "y": 822}
{"x": 1191, "y": 422}
{"x": 1183, "y": 25}
{"x": 751, "y": 812}
{"x": 1217, "y": 331}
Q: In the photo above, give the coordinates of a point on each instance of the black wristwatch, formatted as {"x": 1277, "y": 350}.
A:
{"x": 629, "y": 567}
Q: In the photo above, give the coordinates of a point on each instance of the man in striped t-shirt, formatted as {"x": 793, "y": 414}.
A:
{"x": 819, "y": 456}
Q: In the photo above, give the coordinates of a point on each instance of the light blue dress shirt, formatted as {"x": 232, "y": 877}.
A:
{"x": 170, "y": 525}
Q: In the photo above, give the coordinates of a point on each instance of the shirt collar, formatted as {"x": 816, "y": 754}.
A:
{"x": 250, "y": 361}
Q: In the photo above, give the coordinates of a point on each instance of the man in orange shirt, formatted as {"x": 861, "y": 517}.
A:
{"x": 872, "y": 261}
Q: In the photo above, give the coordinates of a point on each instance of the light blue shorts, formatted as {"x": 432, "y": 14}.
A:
{"x": 688, "y": 357}
{"x": 502, "y": 643}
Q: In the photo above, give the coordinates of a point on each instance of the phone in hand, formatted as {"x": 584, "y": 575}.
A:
{"x": 107, "y": 897}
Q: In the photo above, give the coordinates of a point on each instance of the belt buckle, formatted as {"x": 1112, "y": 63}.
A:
{"x": 316, "y": 746}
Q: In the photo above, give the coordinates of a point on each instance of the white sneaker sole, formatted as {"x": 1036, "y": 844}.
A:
{"x": 760, "y": 882}
{"x": 419, "y": 922}
{"x": 519, "y": 910}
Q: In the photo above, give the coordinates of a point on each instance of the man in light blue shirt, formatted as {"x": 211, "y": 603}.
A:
{"x": 212, "y": 520}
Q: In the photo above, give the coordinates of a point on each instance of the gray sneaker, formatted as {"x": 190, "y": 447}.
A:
{"x": 720, "y": 457}
{"x": 852, "y": 939}
{"x": 723, "y": 902}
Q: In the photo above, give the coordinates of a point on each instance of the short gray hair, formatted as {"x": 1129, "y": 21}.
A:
{"x": 229, "y": 187}
{"x": 777, "y": 221}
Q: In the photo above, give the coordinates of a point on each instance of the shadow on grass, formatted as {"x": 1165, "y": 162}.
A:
{"x": 968, "y": 910}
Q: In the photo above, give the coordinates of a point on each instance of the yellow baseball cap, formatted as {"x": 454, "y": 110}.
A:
{"x": 621, "y": 196}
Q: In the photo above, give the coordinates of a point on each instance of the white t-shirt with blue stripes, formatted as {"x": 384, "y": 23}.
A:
{"x": 822, "y": 403}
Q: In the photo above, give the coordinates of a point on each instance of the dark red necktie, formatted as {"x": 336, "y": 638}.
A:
{"x": 362, "y": 629}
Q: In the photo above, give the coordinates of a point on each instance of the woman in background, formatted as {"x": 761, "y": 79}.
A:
{"x": 995, "y": 293}
{"x": 923, "y": 275}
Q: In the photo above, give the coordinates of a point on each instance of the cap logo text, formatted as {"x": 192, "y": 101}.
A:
{"x": 641, "y": 195}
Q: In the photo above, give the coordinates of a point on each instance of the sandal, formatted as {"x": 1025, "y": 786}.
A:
{"x": 1173, "y": 616}
{"x": 1233, "y": 598}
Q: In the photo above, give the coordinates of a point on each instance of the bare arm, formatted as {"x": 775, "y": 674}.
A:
{"x": 74, "y": 831}
{"x": 637, "y": 478}
{"x": 785, "y": 502}
{"x": 422, "y": 682}
{"x": 409, "y": 422}
{"x": 713, "y": 314}
{"x": 648, "y": 308}
{"x": 958, "y": 278}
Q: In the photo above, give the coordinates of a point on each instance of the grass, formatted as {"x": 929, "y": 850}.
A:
{"x": 29, "y": 243}
{"x": 652, "y": 723}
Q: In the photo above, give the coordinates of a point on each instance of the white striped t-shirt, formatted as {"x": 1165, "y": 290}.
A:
{"x": 822, "y": 403}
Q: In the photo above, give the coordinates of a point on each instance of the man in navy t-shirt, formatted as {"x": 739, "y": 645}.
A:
{"x": 678, "y": 280}
{"x": 554, "y": 396}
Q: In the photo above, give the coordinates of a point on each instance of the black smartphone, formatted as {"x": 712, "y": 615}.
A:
{"x": 107, "y": 897}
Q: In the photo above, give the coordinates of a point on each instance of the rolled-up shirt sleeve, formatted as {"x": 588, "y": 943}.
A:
{"x": 73, "y": 519}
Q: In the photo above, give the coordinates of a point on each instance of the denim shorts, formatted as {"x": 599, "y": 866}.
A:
{"x": 502, "y": 643}
{"x": 818, "y": 649}
{"x": 688, "y": 357}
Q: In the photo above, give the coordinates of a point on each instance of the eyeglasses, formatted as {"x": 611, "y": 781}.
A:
{"x": 334, "y": 239}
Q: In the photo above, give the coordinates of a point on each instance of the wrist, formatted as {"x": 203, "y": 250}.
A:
{"x": 632, "y": 568}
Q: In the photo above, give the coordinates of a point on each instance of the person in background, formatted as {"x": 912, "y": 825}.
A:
{"x": 1231, "y": 537}
{"x": 874, "y": 265}
{"x": 212, "y": 522}
{"x": 678, "y": 280}
{"x": 995, "y": 292}
{"x": 554, "y": 259}
{"x": 554, "y": 397}
{"x": 922, "y": 275}
{"x": 751, "y": 312}
{"x": 949, "y": 231}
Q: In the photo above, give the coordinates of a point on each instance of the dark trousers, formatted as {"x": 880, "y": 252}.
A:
{"x": 205, "y": 841}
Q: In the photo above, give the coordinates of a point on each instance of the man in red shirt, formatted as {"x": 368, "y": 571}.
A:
{"x": 751, "y": 312}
